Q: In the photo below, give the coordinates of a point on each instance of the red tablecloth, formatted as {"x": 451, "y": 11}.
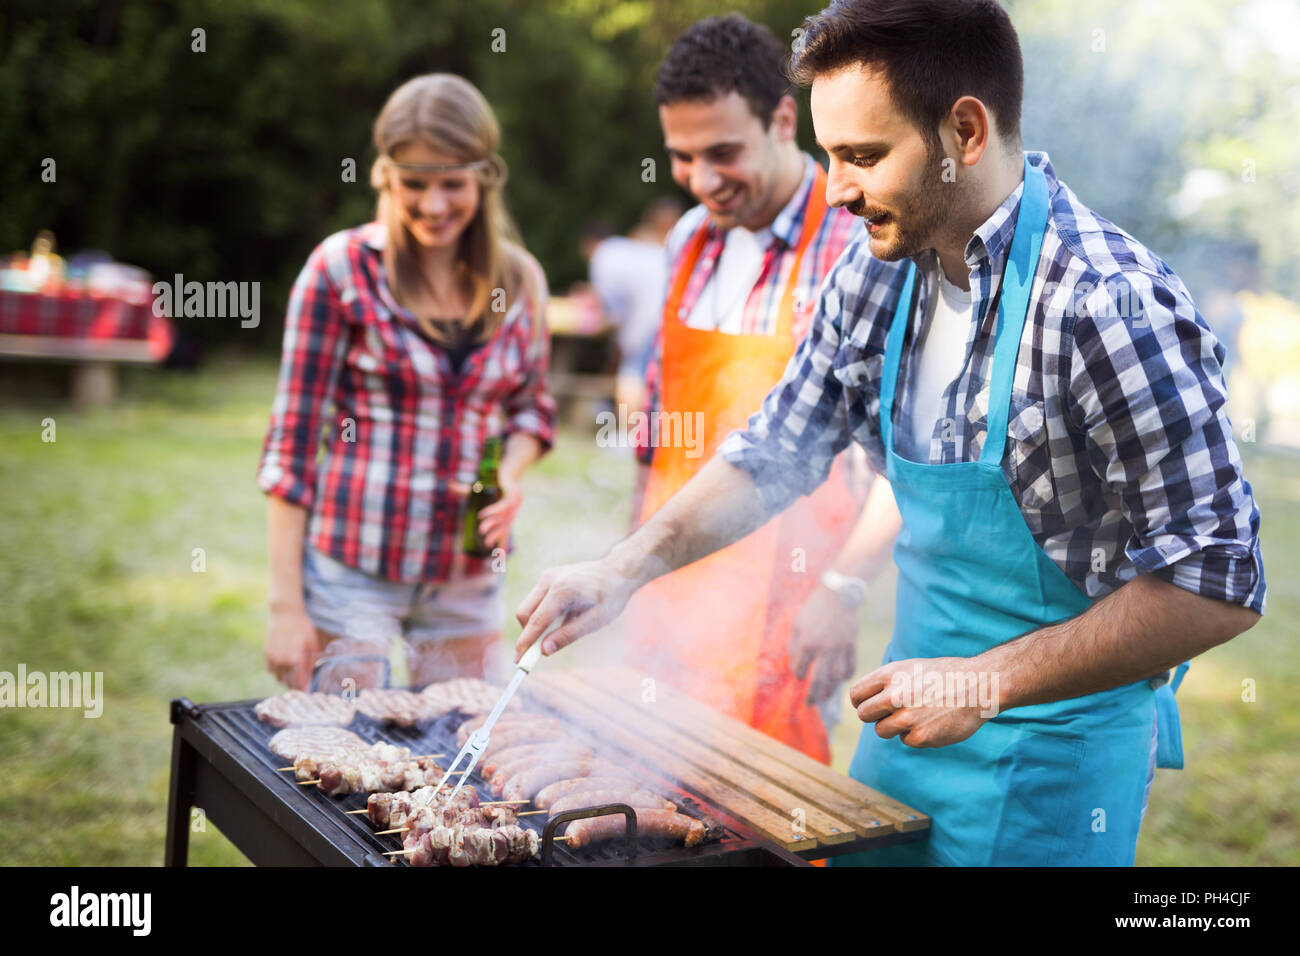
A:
{"x": 85, "y": 317}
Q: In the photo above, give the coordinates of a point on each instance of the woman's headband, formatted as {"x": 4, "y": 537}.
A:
{"x": 494, "y": 164}
{"x": 438, "y": 167}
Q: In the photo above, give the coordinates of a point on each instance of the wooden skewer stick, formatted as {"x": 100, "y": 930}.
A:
{"x": 367, "y": 810}
{"x": 502, "y": 803}
{"x": 529, "y": 813}
{"x": 399, "y": 853}
{"x": 283, "y": 769}
{"x": 386, "y": 832}
{"x": 305, "y": 783}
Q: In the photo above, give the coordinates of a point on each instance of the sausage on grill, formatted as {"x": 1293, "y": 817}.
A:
{"x": 516, "y": 734}
{"x": 560, "y": 748}
{"x": 651, "y": 824}
{"x": 563, "y": 788}
{"x": 506, "y": 771}
{"x": 635, "y": 797}
{"x": 527, "y": 783}
{"x": 506, "y": 721}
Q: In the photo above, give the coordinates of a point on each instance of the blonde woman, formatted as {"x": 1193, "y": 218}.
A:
{"x": 408, "y": 342}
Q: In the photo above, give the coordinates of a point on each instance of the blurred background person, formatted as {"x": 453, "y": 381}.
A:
{"x": 414, "y": 340}
{"x": 628, "y": 275}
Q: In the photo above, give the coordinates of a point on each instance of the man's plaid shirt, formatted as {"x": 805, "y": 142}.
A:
{"x": 1119, "y": 447}
{"x": 404, "y": 429}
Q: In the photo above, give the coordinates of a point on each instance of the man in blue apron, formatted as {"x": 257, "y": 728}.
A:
{"x": 1049, "y": 408}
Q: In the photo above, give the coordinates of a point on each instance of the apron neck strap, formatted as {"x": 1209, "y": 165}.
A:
{"x": 814, "y": 215}
{"x": 893, "y": 356}
{"x": 683, "y": 268}
{"x": 1013, "y": 307}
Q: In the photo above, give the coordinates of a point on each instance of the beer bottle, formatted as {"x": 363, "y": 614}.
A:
{"x": 484, "y": 492}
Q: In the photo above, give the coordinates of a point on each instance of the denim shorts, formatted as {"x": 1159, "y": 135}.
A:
{"x": 363, "y": 607}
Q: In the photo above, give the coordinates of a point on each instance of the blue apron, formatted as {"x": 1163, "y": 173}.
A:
{"x": 1058, "y": 783}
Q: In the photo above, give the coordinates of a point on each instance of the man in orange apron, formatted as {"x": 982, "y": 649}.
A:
{"x": 745, "y": 267}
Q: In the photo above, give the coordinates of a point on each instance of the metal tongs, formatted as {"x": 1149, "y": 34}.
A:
{"x": 478, "y": 740}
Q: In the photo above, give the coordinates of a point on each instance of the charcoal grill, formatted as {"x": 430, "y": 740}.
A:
{"x": 221, "y": 763}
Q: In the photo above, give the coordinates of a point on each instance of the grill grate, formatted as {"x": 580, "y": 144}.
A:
{"x": 439, "y": 736}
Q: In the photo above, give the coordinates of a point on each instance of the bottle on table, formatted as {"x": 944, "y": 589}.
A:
{"x": 485, "y": 491}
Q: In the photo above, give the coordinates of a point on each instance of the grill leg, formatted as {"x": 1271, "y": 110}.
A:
{"x": 179, "y": 801}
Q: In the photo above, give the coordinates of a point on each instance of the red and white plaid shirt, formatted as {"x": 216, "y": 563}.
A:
{"x": 400, "y": 425}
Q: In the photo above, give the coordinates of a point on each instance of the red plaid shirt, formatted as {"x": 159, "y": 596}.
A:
{"x": 400, "y": 426}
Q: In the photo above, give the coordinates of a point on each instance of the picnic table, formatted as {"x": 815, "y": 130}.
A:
{"x": 93, "y": 333}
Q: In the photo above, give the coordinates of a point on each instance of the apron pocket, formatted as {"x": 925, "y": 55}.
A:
{"x": 1036, "y": 777}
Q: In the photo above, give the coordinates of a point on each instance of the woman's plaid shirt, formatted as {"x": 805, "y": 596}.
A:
{"x": 400, "y": 430}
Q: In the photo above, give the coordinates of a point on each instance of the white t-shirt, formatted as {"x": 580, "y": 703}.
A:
{"x": 943, "y": 349}
{"x": 721, "y": 303}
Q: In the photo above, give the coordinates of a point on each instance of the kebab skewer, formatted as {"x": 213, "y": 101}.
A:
{"x": 388, "y": 810}
{"x": 470, "y": 846}
{"x": 382, "y": 768}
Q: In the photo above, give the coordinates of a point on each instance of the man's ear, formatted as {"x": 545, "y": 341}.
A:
{"x": 785, "y": 119}
{"x": 969, "y": 130}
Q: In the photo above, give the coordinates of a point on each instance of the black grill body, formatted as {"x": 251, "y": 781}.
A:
{"x": 221, "y": 763}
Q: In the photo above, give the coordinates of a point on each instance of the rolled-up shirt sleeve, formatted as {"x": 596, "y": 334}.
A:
{"x": 791, "y": 441}
{"x": 315, "y": 341}
{"x": 1147, "y": 385}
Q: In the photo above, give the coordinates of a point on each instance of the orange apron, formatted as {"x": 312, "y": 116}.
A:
{"x": 718, "y": 629}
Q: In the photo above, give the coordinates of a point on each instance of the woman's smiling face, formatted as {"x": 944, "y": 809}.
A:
{"x": 434, "y": 207}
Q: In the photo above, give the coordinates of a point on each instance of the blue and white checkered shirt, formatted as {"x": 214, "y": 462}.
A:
{"x": 1119, "y": 449}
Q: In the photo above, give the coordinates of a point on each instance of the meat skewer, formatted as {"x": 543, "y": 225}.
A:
{"x": 427, "y": 817}
{"x": 393, "y": 809}
{"x": 367, "y": 772}
{"x": 470, "y": 846}
{"x": 310, "y": 764}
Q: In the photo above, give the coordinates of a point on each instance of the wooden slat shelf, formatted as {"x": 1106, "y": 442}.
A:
{"x": 758, "y": 780}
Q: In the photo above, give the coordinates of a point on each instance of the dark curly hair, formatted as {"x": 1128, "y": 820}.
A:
{"x": 722, "y": 55}
{"x": 931, "y": 52}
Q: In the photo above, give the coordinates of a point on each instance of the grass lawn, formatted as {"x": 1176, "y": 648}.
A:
{"x": 96, "y": 574}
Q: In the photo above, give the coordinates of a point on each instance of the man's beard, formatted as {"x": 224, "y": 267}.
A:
{"x": 920, "y": 216}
